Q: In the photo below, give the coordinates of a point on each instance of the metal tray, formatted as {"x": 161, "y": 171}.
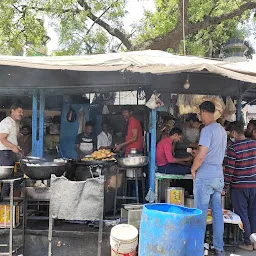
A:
{"x": 96, "y": 162}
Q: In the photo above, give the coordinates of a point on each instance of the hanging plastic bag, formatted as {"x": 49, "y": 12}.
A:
{"x": 105, "y": 110}
{"x": 154, "y": 102}
{"x": 185, "y": 104}
{"x": 71, "y": 115}
{"x": 216, "y": 100}
{"x": 230, "y": 106}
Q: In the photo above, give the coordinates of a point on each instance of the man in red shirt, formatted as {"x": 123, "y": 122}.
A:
{"x": 133, "y": 132}
{"x": 165, "y": 160}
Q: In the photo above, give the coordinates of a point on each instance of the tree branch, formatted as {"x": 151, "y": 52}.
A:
{"x": 94, "y": 22}
{"x": 112, "y": 31}
{"x": 16, "y": 8}
{"x": 42, "y": 9}
{"x": 118, "y": 47}
{"x": 214, "y": 5}
{"x": 173, "y": 38}
{"x": 215, "y": 20}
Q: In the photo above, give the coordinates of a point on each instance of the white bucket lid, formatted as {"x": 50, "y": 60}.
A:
{"x": 124, "y": 232}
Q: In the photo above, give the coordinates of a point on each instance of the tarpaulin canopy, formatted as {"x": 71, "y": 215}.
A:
{"x": 149, "y": 61}
{"x": 127, "y": 70}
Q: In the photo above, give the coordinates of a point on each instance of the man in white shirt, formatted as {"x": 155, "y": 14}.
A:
{"x": 9, "y": 129}
{"x": 104, "y": 139}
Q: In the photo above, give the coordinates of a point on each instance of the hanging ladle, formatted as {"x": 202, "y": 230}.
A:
{"x": 26, "y": 158}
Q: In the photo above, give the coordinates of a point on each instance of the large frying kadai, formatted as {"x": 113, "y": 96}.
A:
{"x": 43, "y": 170}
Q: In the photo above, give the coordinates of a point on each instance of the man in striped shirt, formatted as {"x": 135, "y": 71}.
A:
{"x": 240, "y": 175}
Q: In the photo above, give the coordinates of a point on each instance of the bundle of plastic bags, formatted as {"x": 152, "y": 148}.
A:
{"x": 190, "y": 104}
{"x": 185, "y": 104}
{"x": 230, "y": 110}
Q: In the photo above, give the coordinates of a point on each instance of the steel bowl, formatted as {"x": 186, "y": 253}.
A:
{"x": 43, "y": 170}
{"x": 133, "y": 161}
{"x": 6, "y": 172}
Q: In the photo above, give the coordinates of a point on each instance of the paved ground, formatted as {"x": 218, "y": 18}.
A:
{"x": 238, "y": 252}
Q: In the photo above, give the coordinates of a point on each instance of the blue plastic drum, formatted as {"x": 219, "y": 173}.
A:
{"x": 171, "y": 230}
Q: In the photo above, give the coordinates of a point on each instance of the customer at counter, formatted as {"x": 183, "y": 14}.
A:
{"x": 251, "y": 130}
{"x": 190, "y": 136}
{"x": 165, "y": 160}
{"x": 85, "y": 143}
{"x": 240, "y": 175}
{"x": 132, "y": 131}
{"x": 207, "y": 172}
{"x": 9, "y": 129}
{"x": 104, "y": 139}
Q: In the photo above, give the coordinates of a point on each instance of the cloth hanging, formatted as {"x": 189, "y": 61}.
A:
{"x": 76, "y": 200}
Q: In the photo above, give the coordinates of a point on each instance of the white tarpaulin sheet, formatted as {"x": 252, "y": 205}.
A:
{"x": 149, "y": 61}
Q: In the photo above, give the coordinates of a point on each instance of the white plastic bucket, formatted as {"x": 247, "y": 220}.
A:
{"x": 123, "y": 240}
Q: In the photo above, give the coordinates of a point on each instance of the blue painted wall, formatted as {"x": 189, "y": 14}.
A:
{"x": 69, "y": 130}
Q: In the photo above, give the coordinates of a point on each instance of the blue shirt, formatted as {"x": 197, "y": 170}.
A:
{"x": 214, "y": 137}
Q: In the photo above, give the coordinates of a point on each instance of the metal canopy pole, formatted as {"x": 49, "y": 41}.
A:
{"x": 38, "y": 126}
{"x": 11, "y": 220}
{"x": 152, "y": 151}
{"x": 41, "y": 125}
{"x": 34, "y": 124}
{"x": 239, "y": 109}
{"x": 12, "y": 250}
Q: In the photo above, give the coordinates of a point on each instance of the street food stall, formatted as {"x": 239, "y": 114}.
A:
{"x": 72, "y": 79}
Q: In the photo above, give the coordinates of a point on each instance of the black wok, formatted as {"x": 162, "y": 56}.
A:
{"x": 43, "y": 170}
{"x": 32, "y": 160}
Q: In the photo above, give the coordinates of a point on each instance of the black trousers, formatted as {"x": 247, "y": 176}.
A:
{"x": 175, "y": 169}
{"x": 244, "y": 203}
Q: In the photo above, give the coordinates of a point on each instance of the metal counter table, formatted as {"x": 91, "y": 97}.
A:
{"x": 11, "y": 250}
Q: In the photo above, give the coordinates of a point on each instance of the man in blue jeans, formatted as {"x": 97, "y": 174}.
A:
{"x": 208, "y": 173}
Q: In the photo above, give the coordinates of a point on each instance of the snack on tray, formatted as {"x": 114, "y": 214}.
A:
{"x": 109, "y": 159}
{"x": 102, "y": 154}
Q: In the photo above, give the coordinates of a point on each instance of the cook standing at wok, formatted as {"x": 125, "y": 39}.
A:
{"x": 132, "y": 131}
{"x": 9, "y": 129}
